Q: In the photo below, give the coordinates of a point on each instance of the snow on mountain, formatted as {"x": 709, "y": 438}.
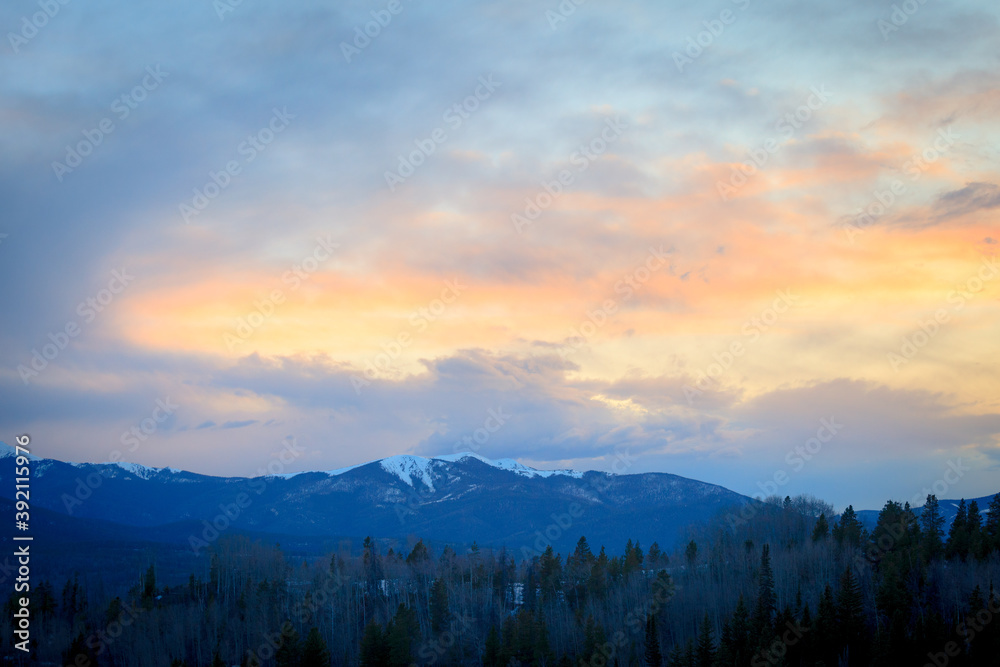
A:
{"x": 7, "y": 451}
{"x": 509, "y": 464}
{"x": 139, "y": 470}
{"x": 407, "y": 468}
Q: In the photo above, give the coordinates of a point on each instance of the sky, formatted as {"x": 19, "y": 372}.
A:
{"x": 752, "y": 243}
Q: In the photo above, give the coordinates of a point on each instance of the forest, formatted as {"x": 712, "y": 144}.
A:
{"x": 783, "y": 582}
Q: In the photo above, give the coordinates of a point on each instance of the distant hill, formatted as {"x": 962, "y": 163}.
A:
{"x": 453, "y": 499}
{"x": 949, "y": 508}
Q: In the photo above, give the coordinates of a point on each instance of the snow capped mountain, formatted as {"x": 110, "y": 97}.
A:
{"x": 409, "y": 467}
{"x": 8, "y": 451}
{"x": 455, "y": 498}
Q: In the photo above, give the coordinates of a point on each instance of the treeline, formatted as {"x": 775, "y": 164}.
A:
{"x": 783, "y": 582}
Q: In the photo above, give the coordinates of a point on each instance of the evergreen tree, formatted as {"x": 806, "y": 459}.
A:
{"x": 149, "y": 583}
{"x": 289, "y": 653}
{"x": 402, "y": 631}
{"x": 550, "y": 575}
{"x": 597, "y": 585}
{"x": 848, "y": 531}
{"x": 374, "y": 649}
{"x": 691, "y": 553}
{"x": 974, "y": 525}
{"x": 766, "y": 599}
{"x": 440, "y": 616}
{"x": 991, "y": 531}
{"x": 79, "y": 653}
{"x": 653, "y": 656}
{"x": 706, "y": 644}
{"x": 314, "y": 651}
{"x": 957, "y": 545}
{"x": 850, "y": 616}
{"x": 822, "y": 528}
{"x": 931, "y": 524}
{"x": 491, "y": 650}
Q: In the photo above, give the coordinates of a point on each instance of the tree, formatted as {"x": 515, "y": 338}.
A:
{"x": 289, "y": 653}
{"x": 403, "y": 630}
{"x": 850, "y": 616}
{"x": 766, "y": 599}
{"x": 822, "y": 528}
{"x": 706, "y": 644}
{"x": 314, "y": 651}
{"x": 374, "y": 650}
{"x": 653, "y": 656}
{"x": 958, "y": 534}
{"x": 932, "y": 524}
{"x": 992, "y": 528}
{"x": 691, "y": 553}
{"x": 149, "y": 583}
{"x": 491, "y": 650}
{"x": 440, "y": 616}
{"x": 550, "y": 576}
{"x": 848, "y": 530}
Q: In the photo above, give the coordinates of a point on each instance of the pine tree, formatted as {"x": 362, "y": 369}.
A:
{"x": 766, "y": 600}
{"x": 402, "y": 631}
{"x": 653, "y": 656}
{"x": 850, "y": 616}
{"x": 491, "y": 650}
{"x": 691, "y": 553}
{"x": 440, "y": 616}
{"x": 289, "y": 653}
{"x": 314, "y": 650}
{"x": 374, "y": 650}
{"x": 992, "y": 528}
{"x": 706, "y": 644}
{"x": 974, "y": 525}
{"x": 957, "y": 545}
{"x": 931, "y": 524}
{"x": 848, "y": 531}
{"x": 149, "y": 583}
{"x": 822, "y": 528}
{"x": 597, "y": 584}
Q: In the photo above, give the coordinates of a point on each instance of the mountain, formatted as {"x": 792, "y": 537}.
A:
{"x": 454, "y": 499}
{"x": 948, "y": 507}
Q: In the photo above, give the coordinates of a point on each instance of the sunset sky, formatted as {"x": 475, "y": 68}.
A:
{"x": 677, "y": 234}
